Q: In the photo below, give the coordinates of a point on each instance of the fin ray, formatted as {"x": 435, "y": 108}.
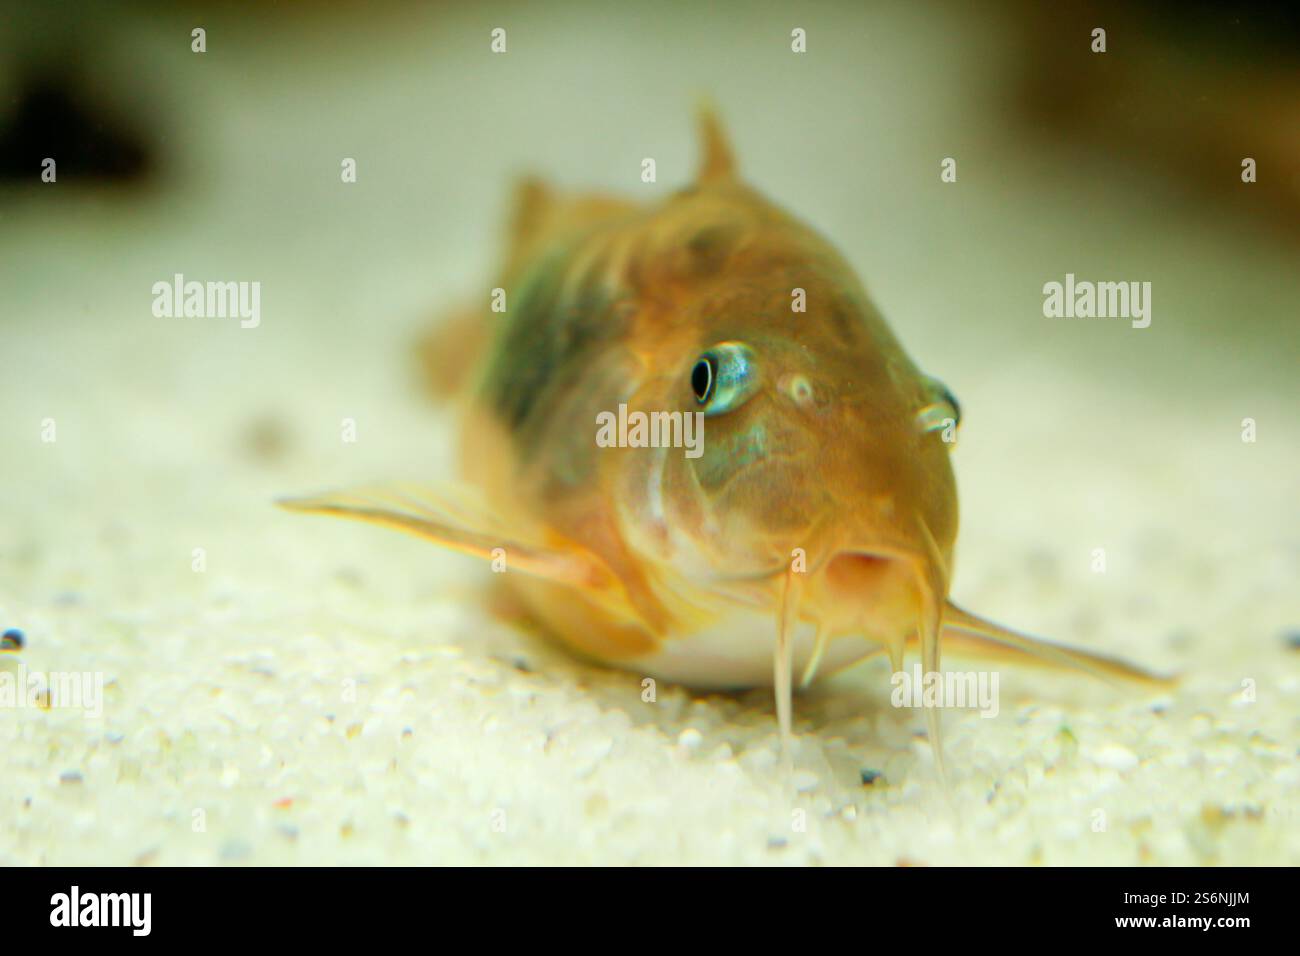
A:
{"x": 455, "y": 516}
{"x": 966, "y": 631}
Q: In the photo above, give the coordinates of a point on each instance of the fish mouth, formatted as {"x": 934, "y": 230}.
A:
{"x": 852, "y": 574}
{"x": 883, "y": 591}
{"x": 881, "y": 594}
{"x": 868, "y": 568}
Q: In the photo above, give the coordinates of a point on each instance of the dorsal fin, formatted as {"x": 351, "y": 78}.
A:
{"x": 716, "y": 160}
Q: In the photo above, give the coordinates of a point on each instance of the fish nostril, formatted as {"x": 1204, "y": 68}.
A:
{"x": 799, "y": 389}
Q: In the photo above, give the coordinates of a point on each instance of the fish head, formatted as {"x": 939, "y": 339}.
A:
{"x": 823, "y": 448}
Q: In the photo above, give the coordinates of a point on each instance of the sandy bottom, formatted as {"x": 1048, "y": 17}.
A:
{"x": 307, "y": 691}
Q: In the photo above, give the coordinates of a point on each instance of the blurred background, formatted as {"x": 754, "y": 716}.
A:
{"x": 175, "y": 434}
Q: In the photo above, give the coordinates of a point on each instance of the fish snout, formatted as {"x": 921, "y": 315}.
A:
{"x": 880, "y": 591}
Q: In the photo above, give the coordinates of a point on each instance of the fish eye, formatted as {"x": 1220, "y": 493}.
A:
{"x": 702, "y": 377}
{"x": 951, "y": 400}
{"x": 942, "y": 410}
{"x": 724, "y": 377}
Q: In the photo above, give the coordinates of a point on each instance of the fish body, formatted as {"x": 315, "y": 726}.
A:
{"x": 813, "y": 522}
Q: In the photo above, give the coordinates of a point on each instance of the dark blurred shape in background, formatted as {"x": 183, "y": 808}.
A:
{"x": 1185, "y": 90}
{"x": 54, "y": 113}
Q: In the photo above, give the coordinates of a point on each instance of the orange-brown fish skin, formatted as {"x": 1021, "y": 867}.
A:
{"x": 612, "y": 304}
{"x": 815, "y": 523}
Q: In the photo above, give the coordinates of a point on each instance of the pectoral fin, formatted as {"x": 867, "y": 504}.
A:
{"x": 456, "y": 517}
{"x": 969, "y": 633}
